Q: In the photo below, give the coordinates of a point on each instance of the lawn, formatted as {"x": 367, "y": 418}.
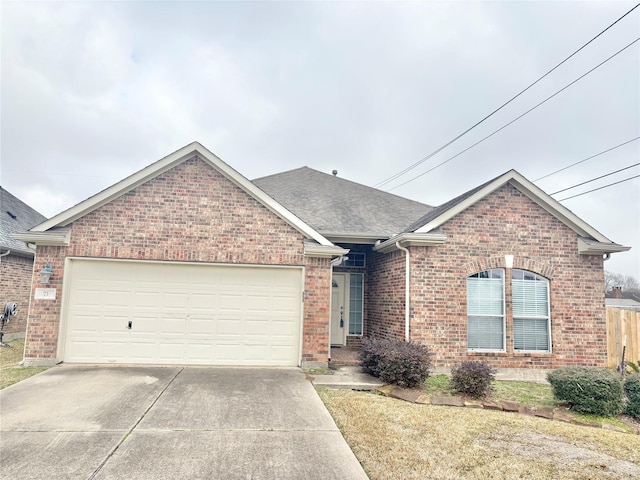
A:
{"x": 528, "y": 393}
{"x": 10, "y": 371}
{"x": 400, "y": 440}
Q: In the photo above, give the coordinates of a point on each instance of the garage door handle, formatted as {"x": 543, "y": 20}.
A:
{"x": 129, "y": 324}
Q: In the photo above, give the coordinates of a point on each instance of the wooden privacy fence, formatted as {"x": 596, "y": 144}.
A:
{"x": 620, "y": 323}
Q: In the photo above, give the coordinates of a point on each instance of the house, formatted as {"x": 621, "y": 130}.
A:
{"x": 189, "y": 262}
{"x": 617, "y": 298}
{"x": 16, "y": 261}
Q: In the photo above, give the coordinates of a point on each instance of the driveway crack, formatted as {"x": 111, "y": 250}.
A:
{"x": 126, "y": 435}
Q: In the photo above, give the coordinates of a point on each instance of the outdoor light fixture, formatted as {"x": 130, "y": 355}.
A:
{"x": 45, "y": 273}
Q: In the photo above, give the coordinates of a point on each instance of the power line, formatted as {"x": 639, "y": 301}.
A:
{"x": 424, "y": 159}
{"x": 600, "y": 188}
{"x": 518, "y": 117}
{"x": 84, "y": 175}
{"x": 597, "y": 178}
{"x": 588, "y": 158}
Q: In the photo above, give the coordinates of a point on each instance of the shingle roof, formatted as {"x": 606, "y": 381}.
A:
{"x": 15, "y": 217}
{"x": 436, "y": 212}
{"x": 333, "y": 205}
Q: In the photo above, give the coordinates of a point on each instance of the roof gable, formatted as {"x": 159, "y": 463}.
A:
{"x": 163, "y": 165}
{"x": 341, "y": 209}
{"x": 16, "y": 216}
{"x": 448, "y": 210}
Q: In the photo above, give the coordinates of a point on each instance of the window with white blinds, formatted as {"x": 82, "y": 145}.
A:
{"x": 530, "y": 304}
{"x": 485, "y": 310}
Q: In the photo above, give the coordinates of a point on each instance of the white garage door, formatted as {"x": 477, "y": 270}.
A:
{"x": 172, "y": 313}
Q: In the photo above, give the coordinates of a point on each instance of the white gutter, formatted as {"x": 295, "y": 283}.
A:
{"x": 406, "y": 290}
{"x": 410, "y": 240}
{"x": 4, "y": 254}
{"x": 56, "y": 237}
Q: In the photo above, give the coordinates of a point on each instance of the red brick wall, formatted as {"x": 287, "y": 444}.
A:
{"x": 15, "y": 285}
{"x": 386, "y": 299}
{"x": 509, "y": 223}
{"x": 190, "y": 213}
{"x": 315, "y": 334}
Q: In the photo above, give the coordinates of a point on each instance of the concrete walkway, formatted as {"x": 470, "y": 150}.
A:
{"x": 348, "y": 377}
{"x": 97, "y": 422}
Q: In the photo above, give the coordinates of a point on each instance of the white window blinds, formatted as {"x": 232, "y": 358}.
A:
{"x": 485, "y": 310}
{"x": 530, "y": 303}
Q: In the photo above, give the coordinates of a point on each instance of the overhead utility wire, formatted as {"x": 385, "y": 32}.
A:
{"x": 588, "y": 158}
{"x": 518, "y": 117}
{"x": 597, "y": 178}
{"x": 424, "y": 159}
{"x": 599, "y": 188}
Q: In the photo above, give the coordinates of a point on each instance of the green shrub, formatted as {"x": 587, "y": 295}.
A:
{"x": 588, "y": 390}
{"x": 472, "y": 378}
{"x": 395, "y": 361}
{"x": 632, "y": 389}
{"x": 633, "y": 367}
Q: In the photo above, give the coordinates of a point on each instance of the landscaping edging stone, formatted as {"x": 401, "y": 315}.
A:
{"x": 560, "y": 415}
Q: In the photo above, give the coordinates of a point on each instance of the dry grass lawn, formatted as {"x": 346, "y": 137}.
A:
{"x": 10, "y": 371}
{"x": 400, "y": 440}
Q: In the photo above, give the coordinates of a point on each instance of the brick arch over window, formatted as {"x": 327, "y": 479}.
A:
{"x": 520, "y": 263}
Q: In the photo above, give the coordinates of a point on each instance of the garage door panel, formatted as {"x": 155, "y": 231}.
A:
{"x": 183, "y": 313}
{"x": 111, "y": 351}
{"x": 203, "y": 326}
{"x": 171, "y": 351}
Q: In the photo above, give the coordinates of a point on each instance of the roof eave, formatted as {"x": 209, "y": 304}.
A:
{"x": 530, "y": 190}
{"x": 586, "y": 247}
{"x": 167, "y": 163}
{"x": 360, "y": 238}
{"x": 324, "y": 251}
{"x": 410, "y": 240}
{"x": 17, "y": 252}
{"x": 57, "y": 238}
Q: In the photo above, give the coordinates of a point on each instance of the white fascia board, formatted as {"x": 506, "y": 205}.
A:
{"x": 324, "y": 251}
{"x": 56, "y": 237}
{"x": 411, "y": 240}
{"x": 361, "y": 238}
{"x": 536, "y": 194}
{"x": 589, "y": 247}
{"x": 165, "y": 164}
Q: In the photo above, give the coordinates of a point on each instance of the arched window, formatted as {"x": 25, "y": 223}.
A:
{"x": 485, "y": 310}
{"x": 487, "y": 318}
{"x": 530, "y": 305}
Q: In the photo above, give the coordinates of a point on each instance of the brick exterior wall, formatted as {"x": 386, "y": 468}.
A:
{"x": 505, "y": 223}
{"x": 190, "y": 213}
{"x": 15, "y": 286}
{"x": 386, "y": 300}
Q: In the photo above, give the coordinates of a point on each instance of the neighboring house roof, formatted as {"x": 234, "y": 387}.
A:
{"x": 590, "y": 241}
{"x": 53, "y": 232}
{"x": 16, "y": 216}
{"x": 341, "y": 209}
{"x": 624, "y": 303}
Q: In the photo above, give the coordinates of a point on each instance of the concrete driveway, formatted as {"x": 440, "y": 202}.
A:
{"x": 108, "y": 422}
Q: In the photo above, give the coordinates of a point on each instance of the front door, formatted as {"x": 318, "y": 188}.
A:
{"x": 339, "y": 310}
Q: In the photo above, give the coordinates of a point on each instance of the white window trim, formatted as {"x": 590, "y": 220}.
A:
{"x": 504, "y": 320}
{"x": 548, "y": 317}
{"x": 348, "y": 302}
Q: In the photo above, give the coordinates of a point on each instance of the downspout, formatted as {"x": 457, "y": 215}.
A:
{"x": 606, "y": 257}
{"x": 406, "y": 291}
